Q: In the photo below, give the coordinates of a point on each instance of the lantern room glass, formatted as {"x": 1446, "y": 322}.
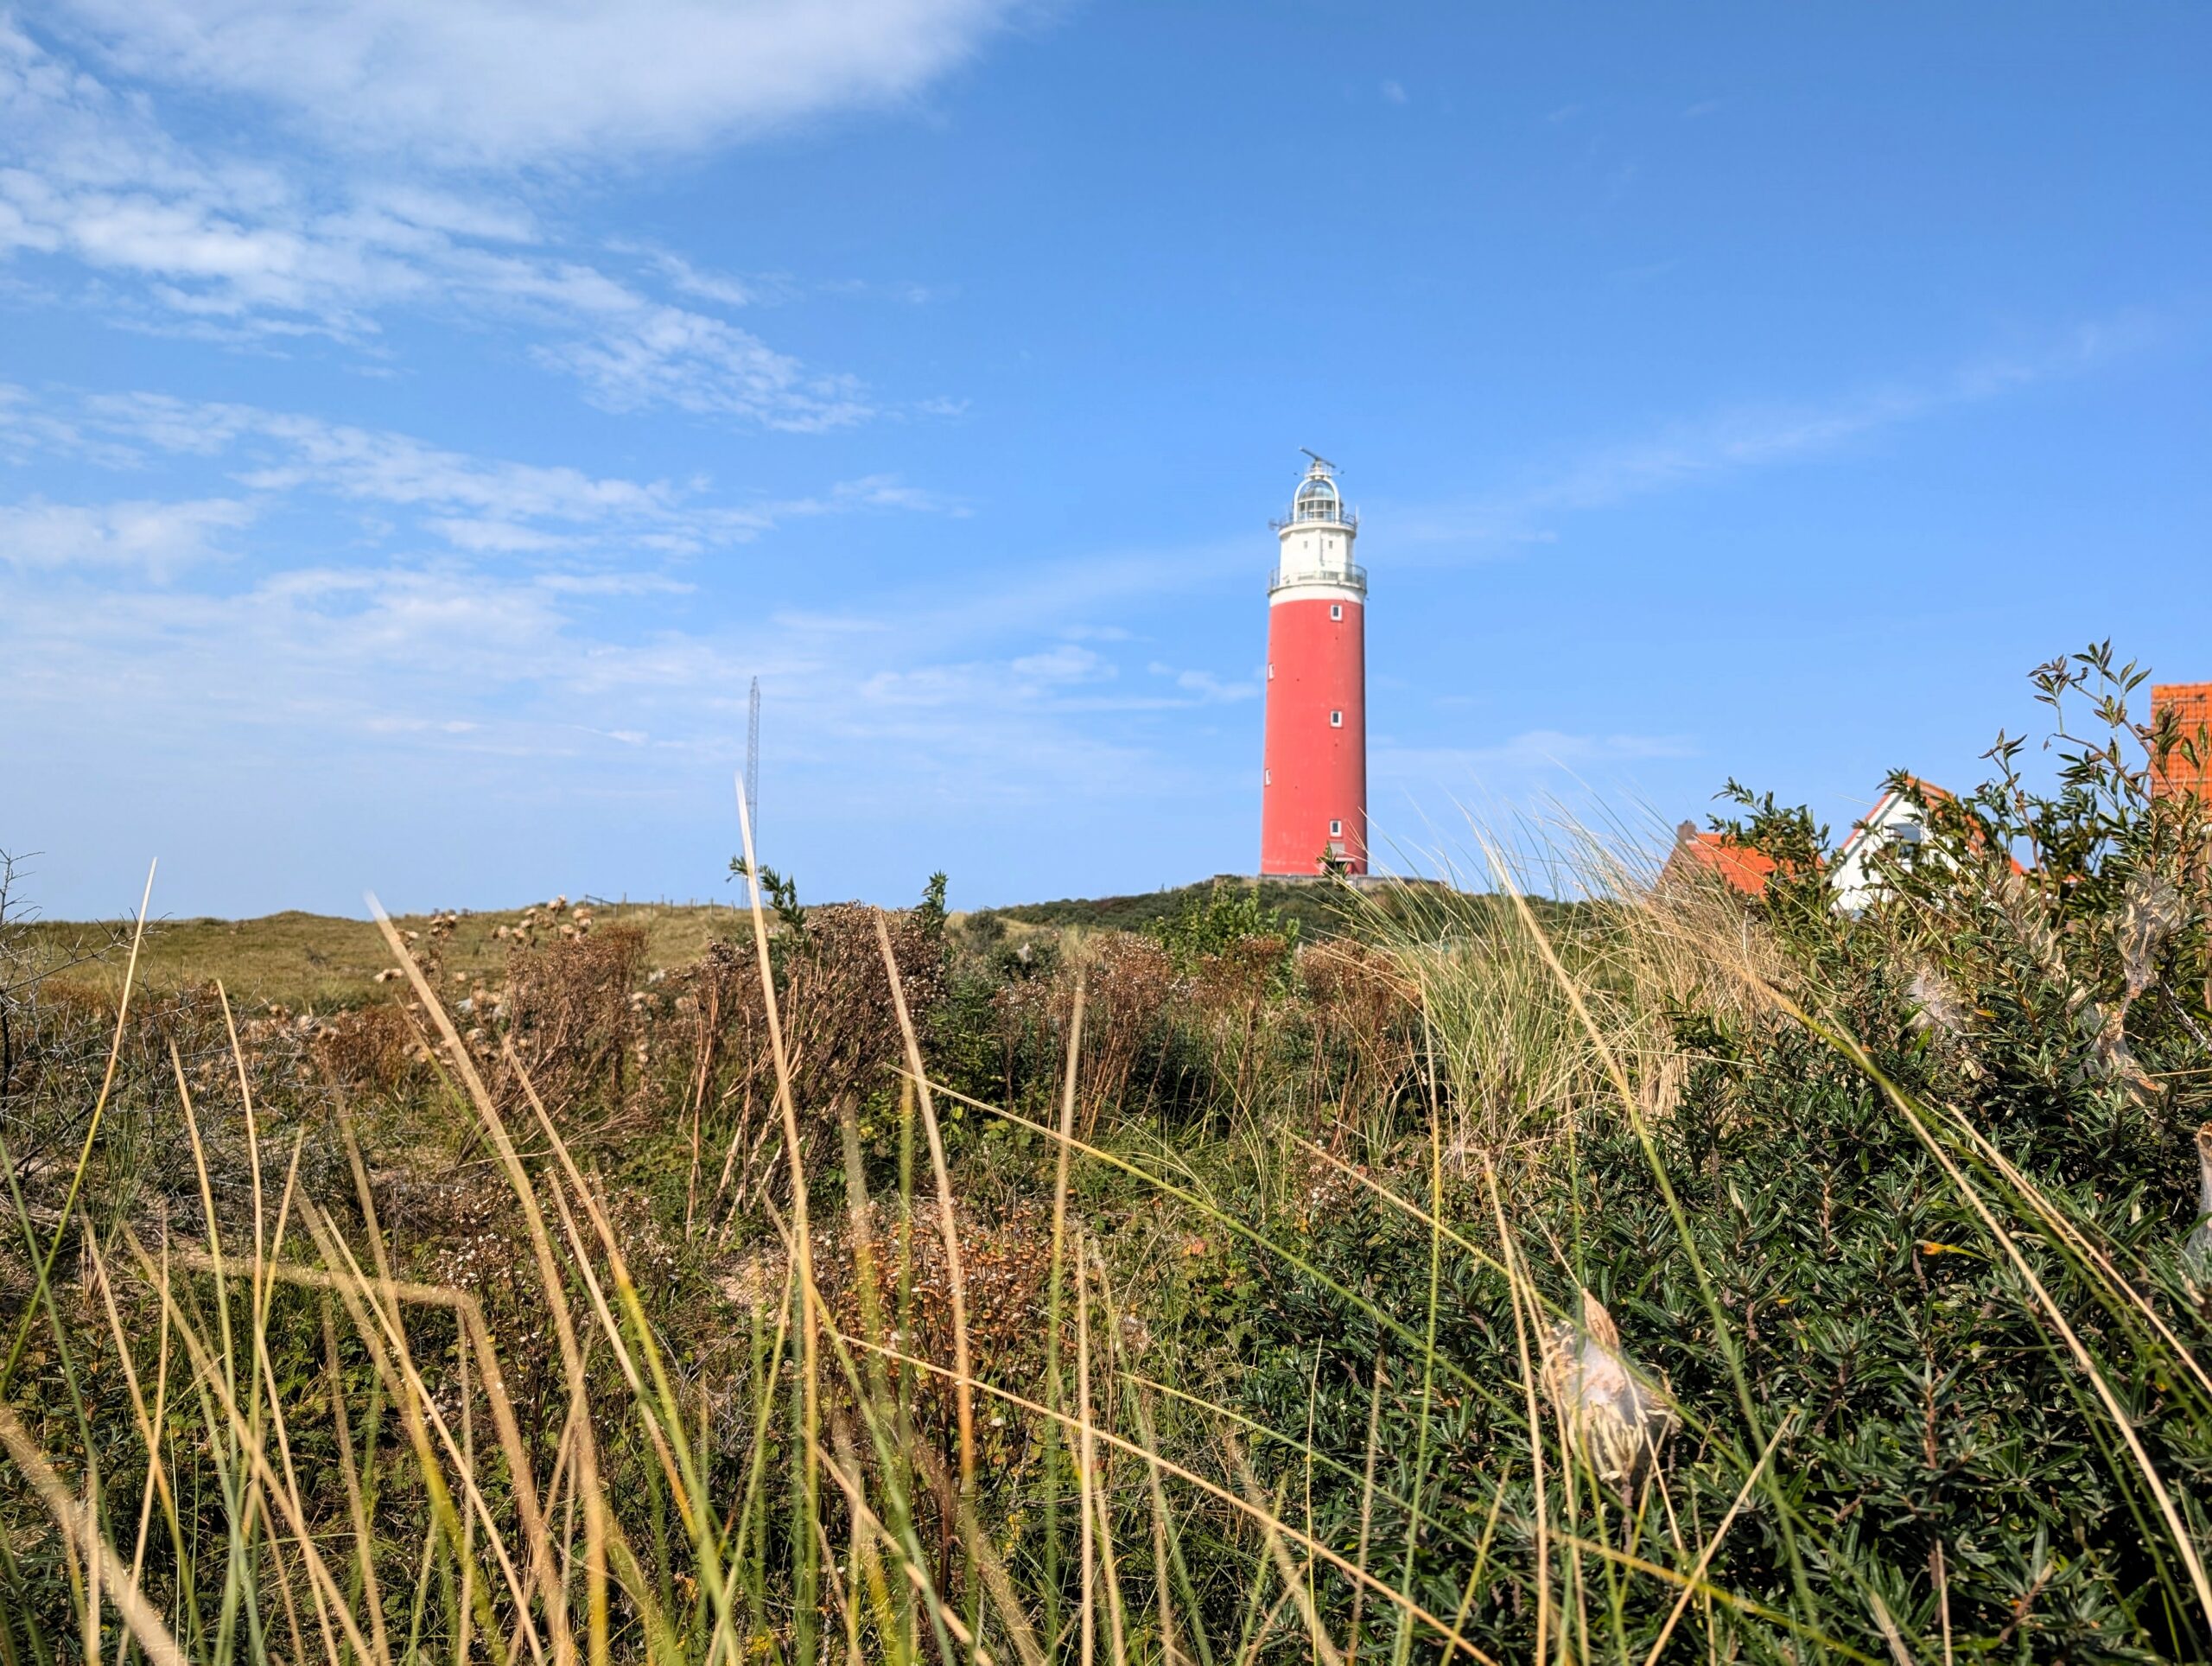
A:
{"x": 1318, "y": 501}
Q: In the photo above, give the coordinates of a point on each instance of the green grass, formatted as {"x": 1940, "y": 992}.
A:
{"x": 1321, "y": 907}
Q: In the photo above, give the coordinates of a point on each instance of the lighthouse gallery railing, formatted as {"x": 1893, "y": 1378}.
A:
{"x": 1353, "y": 576}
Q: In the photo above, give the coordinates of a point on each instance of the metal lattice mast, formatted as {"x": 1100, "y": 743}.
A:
{"x": 753, "y": 762}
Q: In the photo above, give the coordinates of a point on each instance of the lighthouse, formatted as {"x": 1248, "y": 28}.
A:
{"x": 1313, "y": 775}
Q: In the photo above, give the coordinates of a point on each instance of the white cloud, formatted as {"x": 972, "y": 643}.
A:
{"x": 1393, "y": 92}
{"x": 595, "y": 528}
{"x": 645, "y": 354}
{"x": 394, "y": 468}
{"x": 155, "y": 537}
{"x": 1068, "y": 662}
{"x": 1751, "y": 436}
{"x": 1204, "y": 684}
{"x": 508, "y": 82}
{"x": 519, "y": 614}
{"x": 889, "y": 491}
{"x": 614, "y": 584}
{"x": 1534, "y": 751}
{"x": 28, "y": 429}
{"x": 720, "y": 287}
{"x": 435, "y": 665}
{"x": 486, "y": 536}
{"x": 248, "y": 253}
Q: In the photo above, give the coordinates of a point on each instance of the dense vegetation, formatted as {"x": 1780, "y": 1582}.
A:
{"x": 1662, "y": 1275}
{"x": 1315, "y": 907}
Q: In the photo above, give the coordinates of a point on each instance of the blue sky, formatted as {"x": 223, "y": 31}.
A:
{"x": 419, "y": 420}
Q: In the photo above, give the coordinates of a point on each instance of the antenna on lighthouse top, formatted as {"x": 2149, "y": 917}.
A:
{"x": 1319, "y": 461}
{"x": 752, "y": 761}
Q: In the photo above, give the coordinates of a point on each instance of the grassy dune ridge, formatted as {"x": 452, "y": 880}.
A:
{"x": 321, "y": 962}
{"x": 326, "y": 961}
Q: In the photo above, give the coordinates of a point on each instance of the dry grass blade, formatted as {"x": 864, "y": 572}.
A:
{"x": 795, "y": 1163}
{"x": 948, "y": 1223}
{"x": 1086, "y": 1459}
{"x": 395, "y": 1363}
{"x": 543, "y": 1571}
{"x": 342, "y": 1419}
{"x": 1229, "y": 1222}
{"x": 1713, "y": 1544}
{"x": 1294, "y": 1576}
{"x": 216, "y": 1381}
{"x": 78, "y": 1525}
{"x": 1522, "y": 1325}
{"x": 2055, "y": 1218}
{"x": 1448, "y": 1635}
{"x": 91, "y": 1136}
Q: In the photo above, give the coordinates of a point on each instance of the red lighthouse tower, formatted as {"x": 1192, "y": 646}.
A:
{"x": 1313, "y": 783}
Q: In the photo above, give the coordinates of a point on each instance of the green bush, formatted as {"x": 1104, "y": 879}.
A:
{"x": 1804, "y": 1248}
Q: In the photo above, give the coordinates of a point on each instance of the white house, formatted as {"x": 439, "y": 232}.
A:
{"x": 1896, "y": 820}
{"x": 1899, "y": 819}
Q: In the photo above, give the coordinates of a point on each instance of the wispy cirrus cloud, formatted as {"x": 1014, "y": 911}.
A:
{"x": 29, "y": 427}
{"x": 153, "y": 538}
{"x": 499, "y": 673}
{"x": 1533, "y": 751}
{"x": 1683, "y": 452}
{"x": 251, "y": 252}
{"x": 1204, "y": 684}
{"x": 463, "y": 608}
{"x": 502, "y": 84}
{"x": 476, "y": 505}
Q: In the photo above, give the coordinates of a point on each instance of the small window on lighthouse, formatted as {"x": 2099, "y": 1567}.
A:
{"x": 1336, "y": 720}
{"x": 1336, "y": 610}
{"x": 1336, "y": 830}
{"x": 1267, "y": 778}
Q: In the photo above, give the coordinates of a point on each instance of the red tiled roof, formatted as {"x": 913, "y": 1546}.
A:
{"x": 1746, "y": 870}
{"x": 2191, "y": 705}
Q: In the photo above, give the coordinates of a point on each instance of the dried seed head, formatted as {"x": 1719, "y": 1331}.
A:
{"x": 1617, "y": 1418}
{"x": 2151, "y": 910}
{"x": 1938, "y": 1007}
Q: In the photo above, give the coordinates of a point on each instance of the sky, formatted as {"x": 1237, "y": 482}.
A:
{"x": 420, "y": 420}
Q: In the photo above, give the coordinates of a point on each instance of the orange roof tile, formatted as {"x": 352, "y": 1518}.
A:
{"x": 2191, "y": 705}
{"x": 1746, "y": 870}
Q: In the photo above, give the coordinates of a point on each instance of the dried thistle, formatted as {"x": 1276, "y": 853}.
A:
{"x": 1936, "y": 1006}
{"x": 1940, "y": 1011}
{"x": 2111, "y": 1060}
{"x": 2152, "y": 909}
{"x": 1616, "y": 1417}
